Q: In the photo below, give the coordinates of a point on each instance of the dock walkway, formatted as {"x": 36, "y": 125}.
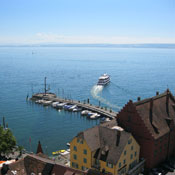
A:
{"x": 52, "y": 97}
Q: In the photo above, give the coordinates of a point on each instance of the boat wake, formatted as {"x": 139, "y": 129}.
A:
{"x": 95, "y": 92}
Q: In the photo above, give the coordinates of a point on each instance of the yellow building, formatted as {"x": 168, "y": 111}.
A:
{"x": 105, "y": 149}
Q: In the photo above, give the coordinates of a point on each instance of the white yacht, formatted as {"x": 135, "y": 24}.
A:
{"x": 103, "y": 80}
{"x": 94, "y": 116}
{"x": 85, "y": 112}
{"x": 60, "y": 105}
{"x": 54, "y": 104}
{"x": 46, "y": 103}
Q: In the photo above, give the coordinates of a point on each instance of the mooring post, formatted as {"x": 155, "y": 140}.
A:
{"x": 45, "y": 85}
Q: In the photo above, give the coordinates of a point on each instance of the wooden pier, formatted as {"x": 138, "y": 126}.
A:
{"x": 52, "y": 97}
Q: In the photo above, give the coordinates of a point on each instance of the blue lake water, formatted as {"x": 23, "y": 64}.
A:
{"x": 72, "y": 72}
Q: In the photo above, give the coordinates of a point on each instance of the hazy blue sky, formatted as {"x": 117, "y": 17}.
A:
{"x": 87, "y": 21}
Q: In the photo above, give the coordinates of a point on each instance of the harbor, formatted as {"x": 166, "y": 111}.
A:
{"x": 50, "y": 98}
{"x": 73, "y": 78}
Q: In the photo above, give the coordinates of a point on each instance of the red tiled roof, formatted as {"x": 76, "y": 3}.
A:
{"x": 36, "y": 164}
{"x": 162, "y": 111}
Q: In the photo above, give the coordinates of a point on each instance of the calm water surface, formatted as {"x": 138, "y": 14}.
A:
{"x": 72, "y": 73}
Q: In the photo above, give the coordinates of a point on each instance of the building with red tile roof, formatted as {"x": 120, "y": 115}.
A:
{"x": 152, "y": 123}
{"x": 34, "y": 164}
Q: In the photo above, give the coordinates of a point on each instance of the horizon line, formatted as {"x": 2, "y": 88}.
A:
{"x": 135, "y": 45}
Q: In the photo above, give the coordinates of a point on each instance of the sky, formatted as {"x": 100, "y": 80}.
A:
{"x": 87, "y": 21}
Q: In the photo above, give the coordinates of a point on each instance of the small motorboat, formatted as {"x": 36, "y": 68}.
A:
{"x": 54, "y": 104}
{"x": 65, "y": 152}
{"x": 85, "y": 112}
{"x": 60, "y": 105}
{"x": 76, "y": 109}
{"x": 67, "y": 107}
{"x": 95, "y": 116}
{"x": 39, "y": 101}
{"x": 58, "y": 152}
{"x": 72, "y": 107}
{"x": 47, "y": 103}
{"x": 90, "y": 113}
{"x": 104, "y": 120}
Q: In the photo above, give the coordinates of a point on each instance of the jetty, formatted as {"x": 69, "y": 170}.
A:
{"x": 84, "y": 105}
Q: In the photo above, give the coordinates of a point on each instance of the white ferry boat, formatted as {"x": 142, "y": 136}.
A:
{"x": 103, "y": 80}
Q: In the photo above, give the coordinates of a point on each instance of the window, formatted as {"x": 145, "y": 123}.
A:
{"x": 75, "y": 156}
{"x": 85, "y": 160}
{"x": 160, "y": 140}
{"x": 119, "y": 164}
{"x": 78, "y": 140}
{"x": 73, "y": 164}
{"x": 129, "y": 118}
{"x": 125, "y": 152}
{"x": 76, "y": 165}
{"x": 129, "y": 141}
{"x": 135, "y": 154}
{"x": 124, "y": 161}
{"x": 131, "y": 156}
{"x": 81, "y": 141}
{"x": 155, "y": 152}
{"x": 131, "y": 147}
{"x": 83, "y": 168}
{"x": 110, "y": 165}
{"x": 132, "y": 164}
{"x": 97, "y": 162}
{"x": 75, "y": 148}
{"x": 85, "y": 151}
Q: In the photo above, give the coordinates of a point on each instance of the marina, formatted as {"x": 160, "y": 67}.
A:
{"x": 92, "y": 112}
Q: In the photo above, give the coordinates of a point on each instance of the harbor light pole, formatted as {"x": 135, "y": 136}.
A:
{"x": 45, "y": 85}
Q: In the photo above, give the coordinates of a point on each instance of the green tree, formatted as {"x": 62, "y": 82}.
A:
{"x": 7, "y": 141}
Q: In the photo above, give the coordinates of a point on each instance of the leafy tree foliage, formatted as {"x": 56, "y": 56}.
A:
{"x": 7, "y": 141}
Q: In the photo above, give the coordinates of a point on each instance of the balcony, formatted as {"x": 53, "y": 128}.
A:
{"x": 137, "y": 168}
{"x": 96, "y": 166}
{"x": 97, "y": 172}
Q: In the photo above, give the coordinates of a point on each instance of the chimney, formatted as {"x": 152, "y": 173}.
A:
{"x": 167, "y": 101}
{"x": 130, "y": 101}
{"x": 118, "y": 137}
{"x": 138, "y": 98}
{"x": 151, "y": 111}
{"x": 157, "y": 93}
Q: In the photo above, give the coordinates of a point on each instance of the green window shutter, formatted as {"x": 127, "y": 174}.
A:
{"x": 75, "y": 156}
{"x": 75, "y": 148}
{"x": 85, "y": 160}
{"x": 85, "y": 151}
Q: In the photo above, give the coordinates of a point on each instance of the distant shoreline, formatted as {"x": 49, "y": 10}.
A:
{"x": 169, "y": 46}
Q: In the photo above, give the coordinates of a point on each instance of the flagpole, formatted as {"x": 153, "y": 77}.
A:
{"x": 30, "y": 144}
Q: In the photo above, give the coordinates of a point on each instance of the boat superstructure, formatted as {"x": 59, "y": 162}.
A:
{"x": 103, "y": 80}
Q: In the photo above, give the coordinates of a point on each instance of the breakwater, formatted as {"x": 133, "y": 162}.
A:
{"x": 84, "y": 105}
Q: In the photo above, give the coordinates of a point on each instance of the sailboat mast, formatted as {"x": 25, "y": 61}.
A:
{"x": 45, "y": 85}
